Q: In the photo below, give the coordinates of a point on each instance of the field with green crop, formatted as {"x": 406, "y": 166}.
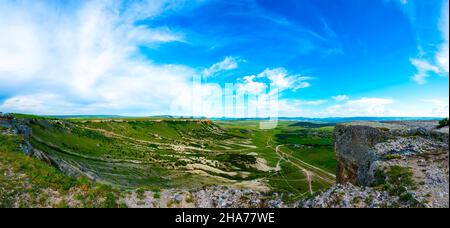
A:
{"x": 296, "y": 159}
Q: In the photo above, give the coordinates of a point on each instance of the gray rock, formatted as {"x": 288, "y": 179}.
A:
{"x": 360, "y": 144}
{"x": 179, "y": 198}
{"x": 363, "y": 148}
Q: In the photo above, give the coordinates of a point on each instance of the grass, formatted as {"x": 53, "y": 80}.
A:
{"x": 151, "y": 153}
{"x": 140, "y": 193}
{"x": 312, "y": 145}
{"x": 25, "y": 182}
{"x": 397, "y": 180}
{"x": 28, "y": 116}
{"x": 392, "y": 156}
{"x": 157, "y": 195}
{"x": 128, "y": 161}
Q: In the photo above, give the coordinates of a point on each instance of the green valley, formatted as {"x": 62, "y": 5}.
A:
{"x": 162, "y": 153}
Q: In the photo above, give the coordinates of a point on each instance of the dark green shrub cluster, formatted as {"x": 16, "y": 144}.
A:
{"x": 443, "y": 123}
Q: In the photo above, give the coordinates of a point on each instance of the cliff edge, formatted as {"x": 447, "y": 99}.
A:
{"x": 389, "y": 164}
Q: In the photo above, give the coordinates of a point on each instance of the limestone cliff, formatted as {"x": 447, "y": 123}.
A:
{"x": 360, "y": 145}
{"x": 389, "y": 164}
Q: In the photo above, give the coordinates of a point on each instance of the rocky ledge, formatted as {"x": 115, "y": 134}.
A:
{"x": 389, "y": 164}
{"x": 207, "y": 197}
{"x": 350, "y": 196}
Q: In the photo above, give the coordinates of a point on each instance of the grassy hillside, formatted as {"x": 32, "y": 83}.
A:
{"x": 150, "y": 153}
{"x": 27, "y": 182}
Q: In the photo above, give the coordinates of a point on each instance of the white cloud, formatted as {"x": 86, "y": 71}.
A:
{"x": 277, "y": 78}
{"x": 300, "y": 108}
{"x": 274, "y": 83}
{"x": 157, "y": 35}
{"x": 442, "y": 55}
{"x": 340, "y": 98}
{"x": 424, "y": 68}
{"x": 85, "y": 58}
{"x": 229, "y": 63}
{"x": 280, "y": 78}
{"x": 440, "y": 64}
{"x": 290, "y": 108}
{"x": 43, "y": 103}
{"x": 21, "y": 53}
{"x": 249, "y": 85}
{"x": 365, "y": 106}
{"x": 439, "y": 108}
{"x": 316, "y": 102}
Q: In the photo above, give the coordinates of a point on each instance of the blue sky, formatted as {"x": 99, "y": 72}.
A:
{"x": 326, "y": 58}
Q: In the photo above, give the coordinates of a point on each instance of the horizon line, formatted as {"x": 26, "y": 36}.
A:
{"x": 223, "y": 117}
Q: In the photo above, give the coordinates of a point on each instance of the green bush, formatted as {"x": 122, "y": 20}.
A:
{"x": 157, "y": 195}
{"x": 443, "y": 122}
{"x": 392, "y": 156}
{"x": 140, "y": 193}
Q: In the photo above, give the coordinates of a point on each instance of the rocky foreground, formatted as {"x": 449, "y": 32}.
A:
{"x": 393, "y": 164}
{"x": 208, "y": 197}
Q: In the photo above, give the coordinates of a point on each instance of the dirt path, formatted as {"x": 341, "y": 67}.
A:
{"x": 313, "y": 170}
{"x": 309, "y": 170}
{"x": 322, "y": 171}
{"x": 306, "y": 172}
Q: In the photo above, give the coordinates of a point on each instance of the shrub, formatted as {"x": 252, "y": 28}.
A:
{"x": 140, "y": 193}
{"x": 396, "y": 180}
{"x": 392, "y": 157}
{"x": 157, "y": 195}
{"x": 110, "y": 201}
{"x": 443, "y": 123}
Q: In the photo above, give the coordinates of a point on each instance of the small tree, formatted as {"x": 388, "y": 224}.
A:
{"x": 443, "y": 123}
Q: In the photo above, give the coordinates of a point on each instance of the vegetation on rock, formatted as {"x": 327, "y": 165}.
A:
{"x": 443, "y": 123}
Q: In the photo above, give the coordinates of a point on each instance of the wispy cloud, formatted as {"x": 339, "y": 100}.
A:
{"x": 366, "y": 106}
{"x": 229, "y": 63}
{"x": 439, "y": 107}
{"x": 315, "y": 102}
{"x": 442, "y": 55}
{"x": 439, "y": 64}
{"x": 278, "y": 78}
{"x": 249, "y": 85}
{"x": 340, "y": 98}
{"x": 281, "y": 79}
{"x": 86, "y": 58}
{"x": 424, "y": 68}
